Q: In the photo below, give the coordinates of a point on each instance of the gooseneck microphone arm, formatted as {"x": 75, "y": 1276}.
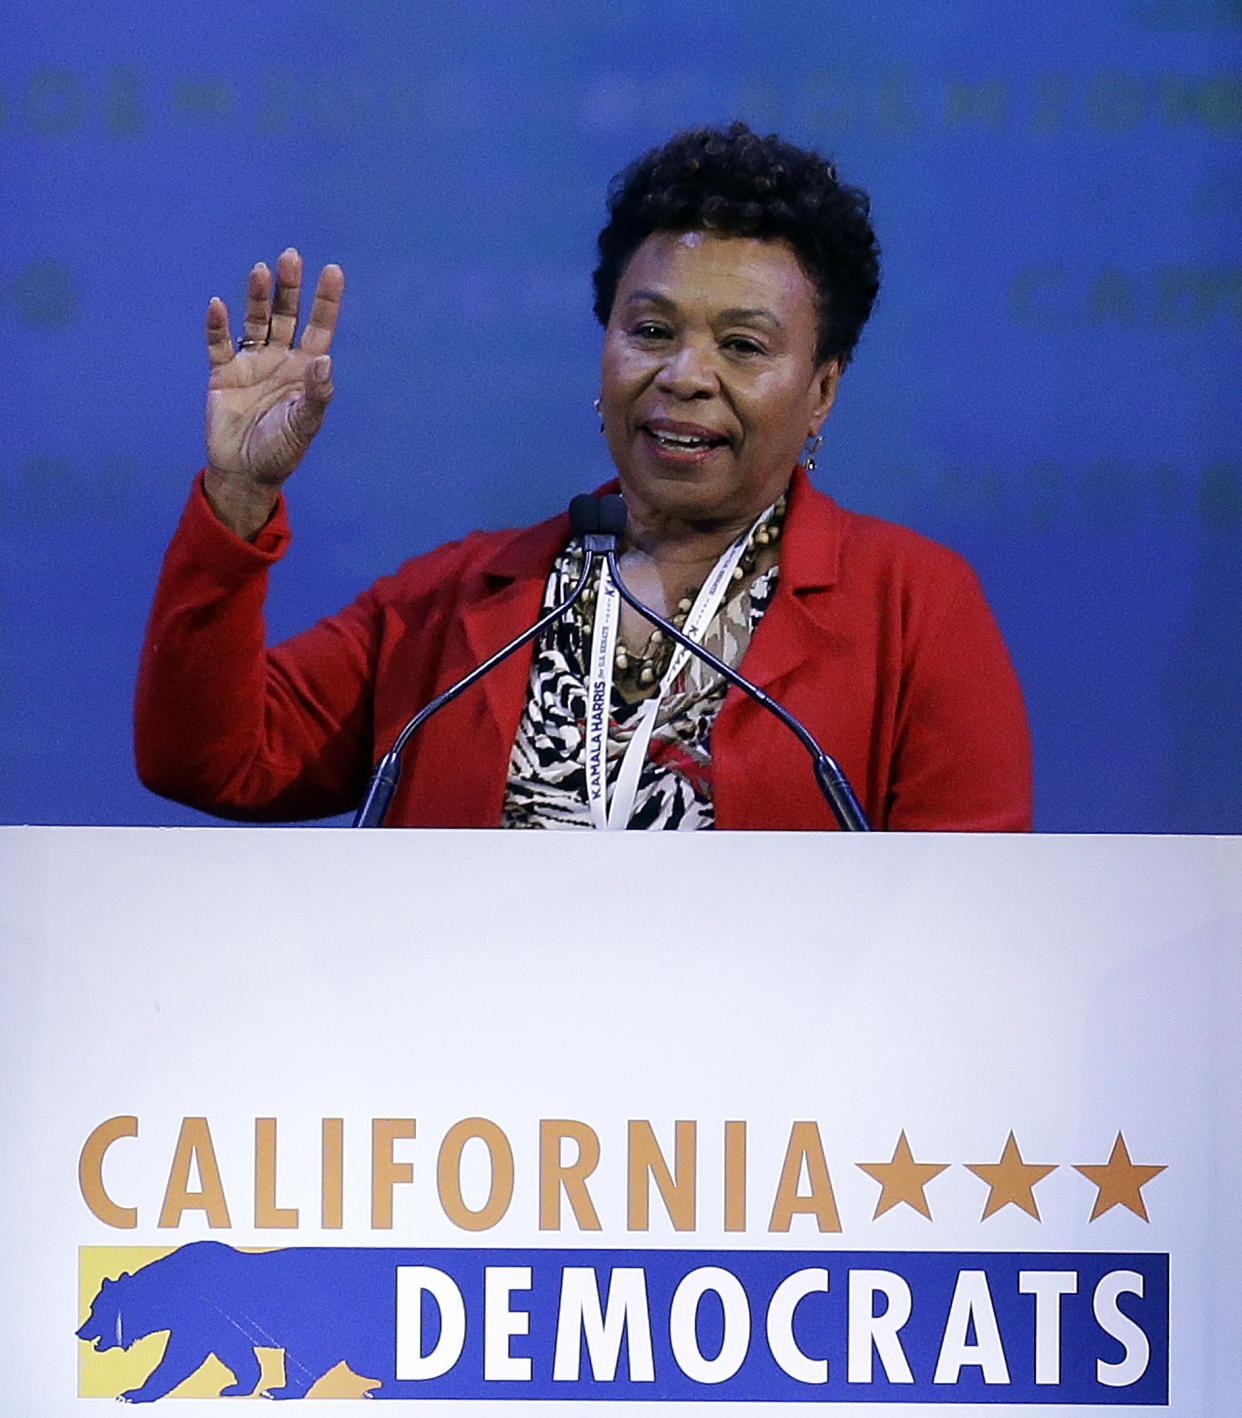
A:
{"x": 600, "y": 523}
{"x": 599, "y": 538}
{"x": 832, "y": 781}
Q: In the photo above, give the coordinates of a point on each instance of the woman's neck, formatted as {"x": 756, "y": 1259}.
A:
{"x": 665, "y": 560}
{"x": 676, "y": 543}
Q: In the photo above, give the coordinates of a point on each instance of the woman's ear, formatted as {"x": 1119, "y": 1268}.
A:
{"x": 827, "y": 378}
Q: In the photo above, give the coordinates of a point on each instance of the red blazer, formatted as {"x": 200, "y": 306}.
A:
{"x": 879, "y": 640}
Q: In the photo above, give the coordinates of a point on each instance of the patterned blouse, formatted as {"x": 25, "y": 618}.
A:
{"x": 547, "y": 772}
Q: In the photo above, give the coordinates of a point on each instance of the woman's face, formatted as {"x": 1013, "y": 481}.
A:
{"x": 709, "y": 384}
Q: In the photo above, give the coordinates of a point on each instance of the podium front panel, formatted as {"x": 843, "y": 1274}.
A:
{"x": 468, "y": 1118}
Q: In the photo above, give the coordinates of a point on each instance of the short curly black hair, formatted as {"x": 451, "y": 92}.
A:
{"x": 735, "y": 183}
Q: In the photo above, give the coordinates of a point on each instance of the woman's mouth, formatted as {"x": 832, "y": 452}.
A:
{"x": 683, "y": 441}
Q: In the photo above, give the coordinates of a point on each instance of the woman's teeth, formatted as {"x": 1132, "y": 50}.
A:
{"x": 685, "y": 441}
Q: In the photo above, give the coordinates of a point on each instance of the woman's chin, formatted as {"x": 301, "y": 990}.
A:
{"x": 699, "y": 494}
{"x": 676, "y": 492}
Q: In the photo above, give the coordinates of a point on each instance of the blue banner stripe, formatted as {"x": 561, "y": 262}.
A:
{"x": 645, "y": 1325}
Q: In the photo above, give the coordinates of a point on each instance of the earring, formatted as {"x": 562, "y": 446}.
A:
{"x": 808, "y": 457}
{"x": 599, "y": 409}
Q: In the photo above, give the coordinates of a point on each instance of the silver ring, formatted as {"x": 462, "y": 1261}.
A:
{"x": 251, "y": 344}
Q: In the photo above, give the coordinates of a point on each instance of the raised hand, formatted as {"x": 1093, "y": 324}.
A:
{"x": 266, "y": 399}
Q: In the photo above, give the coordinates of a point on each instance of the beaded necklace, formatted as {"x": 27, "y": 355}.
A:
{"x": 638, "y": 674}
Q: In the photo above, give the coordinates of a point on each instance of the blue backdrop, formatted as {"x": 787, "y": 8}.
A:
{"x": 1048, "y": 384}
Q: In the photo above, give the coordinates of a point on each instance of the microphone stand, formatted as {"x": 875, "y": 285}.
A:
{"x": 600, "y": 523}
{"x": 599, "y": 538}
{"x": 832, "y": 781}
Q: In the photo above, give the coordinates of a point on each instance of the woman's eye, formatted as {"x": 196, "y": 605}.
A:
{"x": 649, "y": 330}
{"x": 740, "y": 344}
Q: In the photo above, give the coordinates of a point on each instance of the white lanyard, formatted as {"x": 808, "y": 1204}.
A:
{"x": 599, "y": 685}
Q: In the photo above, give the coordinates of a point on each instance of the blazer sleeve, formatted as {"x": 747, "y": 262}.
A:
{"x": 225, "y": 725}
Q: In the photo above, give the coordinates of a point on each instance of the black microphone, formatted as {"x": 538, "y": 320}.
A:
{"x": 599, "y": 531}
{"x": 832, "y": 781}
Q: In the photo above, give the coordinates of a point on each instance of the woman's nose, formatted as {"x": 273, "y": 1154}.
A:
{"x": 690, "y": 371}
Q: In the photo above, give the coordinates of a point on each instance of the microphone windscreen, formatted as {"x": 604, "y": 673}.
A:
{"x": 583, "y": 514}
{"x": 612, "y": 514}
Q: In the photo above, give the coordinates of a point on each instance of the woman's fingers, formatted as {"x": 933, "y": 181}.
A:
{"x": 307, "y": 413}
{"x": 288, "y": 293}
{"x": 318, "y": 382}
{"x": 317, "y": 336}
{"x": 271, "y": 318}
{"x": 219, "y": 341}
{"x": 258, "y": 304}
{"x": 272, "y": 313}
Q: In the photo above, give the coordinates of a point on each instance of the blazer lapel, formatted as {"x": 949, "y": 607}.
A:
{"x": 791, "y": 630}
{"x": 512, "y": 594}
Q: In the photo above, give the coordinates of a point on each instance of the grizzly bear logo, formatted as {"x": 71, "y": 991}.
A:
{"x": 317, "y": 1305}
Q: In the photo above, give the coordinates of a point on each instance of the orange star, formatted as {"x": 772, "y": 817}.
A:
{"x": 902, "y": 1179}
{"x": 1120, "y": 1182}
{"x": 1012, "y": 1181}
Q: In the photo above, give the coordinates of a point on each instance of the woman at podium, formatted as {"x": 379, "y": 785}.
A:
{"x": 735, "y": 276}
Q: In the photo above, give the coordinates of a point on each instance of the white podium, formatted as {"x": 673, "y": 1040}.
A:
{"x": 869, "y": 1122}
